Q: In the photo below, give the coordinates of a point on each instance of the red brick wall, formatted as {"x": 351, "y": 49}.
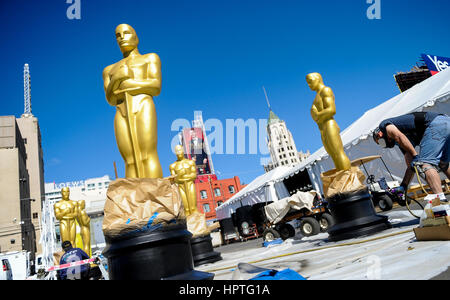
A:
{"x": 212, "y": 199}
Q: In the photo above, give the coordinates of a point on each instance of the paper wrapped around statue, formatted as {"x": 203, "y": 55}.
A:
{"x": 196, "y": 224}
{"x": 339, "y": 182}
{"x": 276, "y": 211}
{"x": 141, "y": 203}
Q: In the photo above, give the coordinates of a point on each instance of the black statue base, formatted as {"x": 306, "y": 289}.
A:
{"x": 203, "y": 251}
{"x": 355, "y": 216}
{"x": 164, "y": 254}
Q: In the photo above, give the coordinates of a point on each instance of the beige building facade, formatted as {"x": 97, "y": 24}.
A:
{"x": 17, "y": 231}
{"x": 31, "y": 134}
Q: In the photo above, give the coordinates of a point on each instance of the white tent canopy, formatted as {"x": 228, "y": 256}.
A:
{"x": 253, "y": 193}
{"x": 432, "y": 94}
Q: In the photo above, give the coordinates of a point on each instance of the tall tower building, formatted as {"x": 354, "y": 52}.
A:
{"x": 280, "y": 143}
{"x": 21, "y": 179}
{"x": 31, "y": 134}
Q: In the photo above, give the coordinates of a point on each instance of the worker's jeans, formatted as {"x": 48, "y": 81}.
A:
{"x": 435, "y": 144}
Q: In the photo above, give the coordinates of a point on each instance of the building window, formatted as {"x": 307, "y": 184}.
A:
{"x": 219, "y": 203}
{"x": 206, "y": 208}
{"x": 100, "y": 185}
{"x": 106, "y": 184}
{"x": 35, "y": 215}
{"x": 231, "y": 189}
{"x": 203, "y": 194}
{"x": 217, "y": 192}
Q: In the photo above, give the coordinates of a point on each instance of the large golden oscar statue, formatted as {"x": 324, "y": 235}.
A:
{"x": 349, "y": 201}
{"x": 143, "y": 208}
{"x": 130, "y": 85}
{"x": 345, "y": 178}
{"x": 322, "y": 112}
{"x": 70, "y": 213}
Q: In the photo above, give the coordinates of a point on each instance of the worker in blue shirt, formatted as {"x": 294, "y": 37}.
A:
{"x": 73, "y": 255}
{"x": 428, "y": 130}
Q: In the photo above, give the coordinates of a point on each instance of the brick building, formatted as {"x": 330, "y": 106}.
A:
{"x": 212, "y": 192}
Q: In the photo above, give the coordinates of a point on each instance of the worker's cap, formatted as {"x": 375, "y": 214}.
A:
{"x": 66, "y": 245}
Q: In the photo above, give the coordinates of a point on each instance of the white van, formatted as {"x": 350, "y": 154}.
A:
{"x": 5, "y": 271}
{"x": 19, "y": 262}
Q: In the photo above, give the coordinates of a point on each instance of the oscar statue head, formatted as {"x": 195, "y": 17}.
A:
{"x": 65, "y": 193}
{"x": 179, "y": 152}
{"x": 314, "y": 81}
{"x": 126, "y": 38}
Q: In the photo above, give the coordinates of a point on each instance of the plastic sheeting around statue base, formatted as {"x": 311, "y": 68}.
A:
{"x": 196, "y": 224}
{"x": 140, "y": 204}
{"x": 339, "y": 181}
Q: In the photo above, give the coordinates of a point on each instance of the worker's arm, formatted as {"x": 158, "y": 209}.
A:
{"x": 395, "y": 134}
{"x": 408, "y": 173}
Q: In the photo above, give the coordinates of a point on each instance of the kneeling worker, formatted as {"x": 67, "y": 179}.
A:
{"x": 430, "y": 131}
{"x": 73, "y": 255}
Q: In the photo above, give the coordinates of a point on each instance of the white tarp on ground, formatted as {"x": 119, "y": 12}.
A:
{"x": 432, "y": 94}
{"x": 253, "y": 193}
{"x": 391, "y": 254}
{"x": 276, "y": 211}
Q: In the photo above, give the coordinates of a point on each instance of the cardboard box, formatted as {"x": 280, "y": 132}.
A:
{"x": 435, "y": 233}
{"x": 434, "y": 222}
{"x": 436, "y": 202}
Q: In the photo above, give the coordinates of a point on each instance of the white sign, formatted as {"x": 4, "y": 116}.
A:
{"x": 71, "y": 184}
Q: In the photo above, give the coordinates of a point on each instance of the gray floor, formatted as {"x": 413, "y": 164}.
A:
{"x": 257, "y": 243}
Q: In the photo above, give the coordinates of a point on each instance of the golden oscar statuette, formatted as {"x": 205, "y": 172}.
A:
{"x": 344, "y": 178}
{"x": 70, "y": 213}
{"x": 184, "y": 173}
{"x": 130, "y": 85}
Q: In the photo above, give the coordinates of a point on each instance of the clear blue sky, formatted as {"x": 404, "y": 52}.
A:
{"x": 216, "y": 56}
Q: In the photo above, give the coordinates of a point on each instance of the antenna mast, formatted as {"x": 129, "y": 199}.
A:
{"x": 27, "y": 91}
{"x": 267, "y": 99}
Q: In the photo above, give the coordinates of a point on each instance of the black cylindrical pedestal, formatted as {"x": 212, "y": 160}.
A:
{"x": 162, "y": 254}
{"x": 203, "y": 251}
{"x": 355, "y": 216}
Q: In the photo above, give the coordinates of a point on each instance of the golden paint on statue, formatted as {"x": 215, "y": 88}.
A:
{"x": 184, "y": 173}
{"x": 85, "y": 226}
{"x": 322, "y": 112}
{"x": 344, "y": 178}
{"x": 71, "y": 213}
{"x": 130, "y": 85}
